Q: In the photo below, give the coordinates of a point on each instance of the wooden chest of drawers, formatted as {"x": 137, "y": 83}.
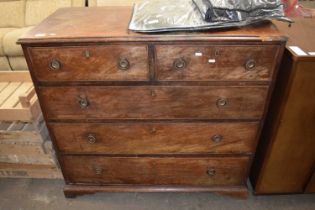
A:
{"x": 139, "y": 112}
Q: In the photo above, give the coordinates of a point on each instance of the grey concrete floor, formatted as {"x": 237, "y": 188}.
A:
{"x": 31, "y": 194}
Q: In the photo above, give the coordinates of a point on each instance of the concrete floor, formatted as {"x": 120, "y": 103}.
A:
{"x": 31, "y": 194}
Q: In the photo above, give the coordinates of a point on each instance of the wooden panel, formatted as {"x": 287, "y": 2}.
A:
{"x": 90, "y": 63}
{"x": 114, "y": 27}
{"x": 14, "y": 98}
{"x": 8, "y": 91}
{"x": 239, "y": 192}
{"x": 156, "y": 102}
{"x": 310, "y": 188}
{"x": 289, "y": 158}
{"x": 155, "y": 138}
{"x": 212, "y": 63}
{"x": 11, "y": 170}
{"x": 16, "y": 86}
{"x": 15, "y": 76}
{"x": 156, "y": 171}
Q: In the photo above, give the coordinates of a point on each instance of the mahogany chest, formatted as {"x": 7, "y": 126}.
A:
{"x": 151, "y": 112}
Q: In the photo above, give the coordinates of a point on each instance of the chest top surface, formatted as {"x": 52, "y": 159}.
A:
{"x": 111, "y": 24}
{"x": 301, "y": 34}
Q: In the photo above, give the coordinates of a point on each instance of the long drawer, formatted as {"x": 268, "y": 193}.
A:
{"x": 153, "y": 102}
{"x": 91, "y": 63}
{"x": 155, "y": 171}
{"x": 155, "y": 138}
{"x": 215, "y": 63}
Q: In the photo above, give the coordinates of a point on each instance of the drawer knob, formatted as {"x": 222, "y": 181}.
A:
{"x": 211, "y": 172}
{"x": 179, "y": 63}
{"x": 55, "y": 64}
{"x": 98, "y": 170}
{"x": 123, "y": 64}
{"x": 83, "y": 101}
{"x": 221, "y": 102}
{"x": 217, "y": 138}
{"x": 250, "y": 64}
{"x": 91, "y": 138}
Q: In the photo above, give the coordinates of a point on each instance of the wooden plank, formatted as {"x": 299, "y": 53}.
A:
{"x": 22, "y": 114}
{"x": 35, "y": 109}
{"x": 3, "y": 85}
{"x": 15, "y": 76}
{"x": 13, "y": 100}
{"x": 4, "y": 125}
{"x": 20, "y": 149}
{"x": 16, "y": 126}
{"x": 21, "y": 137}
{"x": 8, "y": 91}
{"x": 27, "y": 159}
{"x": 26, "y": 97}
{"x": 9, "y": 170}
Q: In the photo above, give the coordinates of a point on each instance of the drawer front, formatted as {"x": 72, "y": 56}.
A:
{"x": 155, "y": 102}
{"x": 212, "y": 63}
{"x": 96, "y": 63}
{"x": 155, "y": 171}
{"x": 155, "y": 138}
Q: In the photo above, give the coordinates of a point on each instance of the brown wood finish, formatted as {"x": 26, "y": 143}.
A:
{"x": 163, "y": 102}
{"x": 291, "y": 134}
{"x": 113, "y": 26}
{"x": 215, "y": 63}
{"x": 310, "y": 188}
{"x": 155, "y": 138}
{"x": 285, "y": 158}
{"x": 155, "y": 171}
{"x": 96, "y": 63}
{"x": 71, "y": 191}
{"x": 153, "y": 130}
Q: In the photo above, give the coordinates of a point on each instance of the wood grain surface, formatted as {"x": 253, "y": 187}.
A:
{"x": 215, "y": 63}
{"x": 155, "y": 102}
{"x": 310, "y": 188}
{"x": 96, "y": 62}
{"x": 155, "y": 138}
{"x": 113, "y": 26}
{"x": 156, "y": 171}
{"x": 289, "y": 156}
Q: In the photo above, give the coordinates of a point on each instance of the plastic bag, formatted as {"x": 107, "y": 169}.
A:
{"x": 184, "y": 15}
{"x": 238, "y": 10}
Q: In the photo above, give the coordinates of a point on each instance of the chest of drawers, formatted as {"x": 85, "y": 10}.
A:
{"x": 151, "y": 113}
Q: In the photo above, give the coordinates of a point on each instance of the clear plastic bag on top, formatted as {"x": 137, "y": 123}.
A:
{"x": 184, "y": 15}
{"x": 238, "y": 10}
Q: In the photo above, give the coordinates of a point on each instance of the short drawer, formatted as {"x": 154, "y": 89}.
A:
{"x": 215, "y": 63}
{"x": 155, "y": 138}
{"x": 154, "y": 102}
{"x": 95, "y": 63}
{"x": 155, "y": 171}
